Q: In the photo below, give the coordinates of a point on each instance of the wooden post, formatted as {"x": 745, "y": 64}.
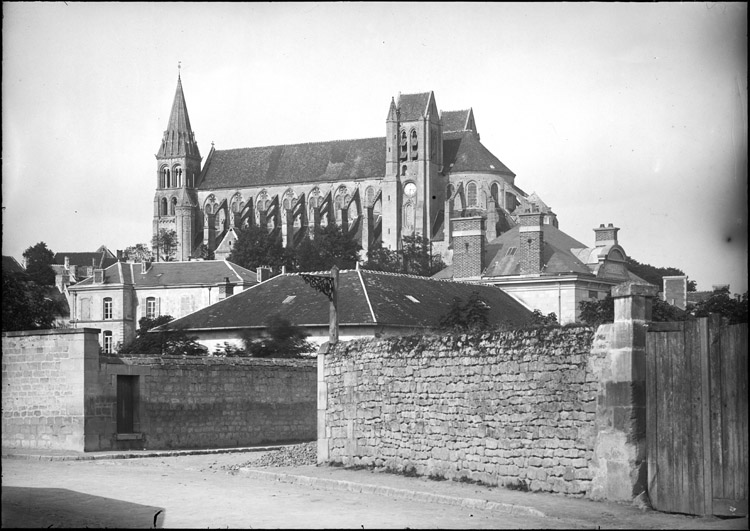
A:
{"x": 333, "y": 318}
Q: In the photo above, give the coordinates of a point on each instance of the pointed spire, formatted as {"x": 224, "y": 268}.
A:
{"x": 392, "y": 112}
{"x": 179, "y": 139}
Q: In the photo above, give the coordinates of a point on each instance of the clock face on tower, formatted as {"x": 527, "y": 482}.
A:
{"x": 410, "y": 189}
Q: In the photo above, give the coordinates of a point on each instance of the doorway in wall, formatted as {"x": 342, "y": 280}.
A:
{"x": 126, "y": 402}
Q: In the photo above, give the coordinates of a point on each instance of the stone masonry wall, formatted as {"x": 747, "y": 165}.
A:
{"x": 43, "y": 387}
{"x": 205, "y": 402}
{"x": 501, "y": 408}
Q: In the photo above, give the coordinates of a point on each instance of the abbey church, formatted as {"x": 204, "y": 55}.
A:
{"x": 429, "y": 168}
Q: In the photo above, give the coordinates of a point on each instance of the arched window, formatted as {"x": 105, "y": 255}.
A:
{"x": 433, "y": 142}
{"x": 403, "y": 170}
{"x": 163, "y": 178}
{"x": 404, "y": 147}
{"x": 369, "y": 196}
{"x": 471, "y": 194}
{"x": 495, "y": 193}
{"x": 414, "y": 144}
{"x": 173, "y": 206}
{"x": 177, "y": 177}
{"x": 107, "y": 308}
{"x": 150, "y": 307}
{"x": 237, "y": 203}
{"x": 220, "y": 219}
{"x": 108, "y": 345}
{"x": 163, "y": 209}
{"x": 167, "y": 178}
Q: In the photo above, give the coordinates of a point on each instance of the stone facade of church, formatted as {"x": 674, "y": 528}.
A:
{"x": 430, "y": 167}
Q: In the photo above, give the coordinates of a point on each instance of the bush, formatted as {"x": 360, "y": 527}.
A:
{"x": 284, "y": 340}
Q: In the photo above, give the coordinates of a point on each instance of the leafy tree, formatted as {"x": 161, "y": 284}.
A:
{"x": 39, "y": 261}
{"x": 414, "y": 258}
{"x": 596, "y": 312}
{"x": 330, "y": 246}
{"x": 26, "y": 304}
{"x": 256, "y": 247}
{"x": 539, "y": 319}
{"x": 165, "y": 242}
{"x": 284, "y": 340}
{"x": 205, "y": 253}
{"x": 469, "y": 317}
{"x": 722, "y": 303}
{"x": 654, "y": 274}
{"x": 163, "y": 342}
{"x": 139, "y": 252}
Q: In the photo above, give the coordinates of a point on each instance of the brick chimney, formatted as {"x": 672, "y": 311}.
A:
{"x": 226, "y": 289}
{"x": 531, "y": 242}
{"x": 263, "y": 274}
{"x": 468, "y": 246}
{"x": 605, "y": 235}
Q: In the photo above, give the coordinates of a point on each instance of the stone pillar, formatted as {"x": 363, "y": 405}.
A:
{"x": 619, "y": 461}
{"x": 323, "y": 451}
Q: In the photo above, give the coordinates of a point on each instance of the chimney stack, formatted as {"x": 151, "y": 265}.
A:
{"x": 67, "y": 262}
{"x": 605, "y": 235}
{"x": 675, "y": 291}
{"x": 468, "y": 246}
{"x": 263, "y": 274}
{"x": 145, "y": 266}
{"x": 226, "y": 289}
{"x": 531, "y": 242}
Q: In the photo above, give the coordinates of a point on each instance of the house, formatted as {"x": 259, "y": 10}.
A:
{"x": 370, "y": 304}
{"x": 538, "y": 264}
{"x": 429, "y": 166}
{"x": 114, "y": 299}
{"x": 72, "y": 267}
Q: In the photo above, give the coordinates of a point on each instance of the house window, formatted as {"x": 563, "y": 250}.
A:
{"x": 151, "y": 308}
{"x": 471, "y": 193}
{"x": 107, "y": 342}
{"x": 107, "y": 311}
{"x": 593, "y": 294}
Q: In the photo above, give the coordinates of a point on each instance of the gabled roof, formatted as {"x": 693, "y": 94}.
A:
{"x": 462, "y": 151}
{"x": 296, "y": 163}
{"x": 179, "y": 139}
{"x": 11, "y": 265}
{"x": 170, "y": 274}
{"x": 100, "y": 258}
{"x": 365, "y": 298}
{"x": 413, "y": 106}
{"x": 458, "y": 121}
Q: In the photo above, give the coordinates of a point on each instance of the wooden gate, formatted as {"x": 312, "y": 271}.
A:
{"x": 696, "y": 417}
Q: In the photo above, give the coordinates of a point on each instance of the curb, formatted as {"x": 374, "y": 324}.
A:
{"x": 392, "y": 492}
{"x": 125, "y": 455}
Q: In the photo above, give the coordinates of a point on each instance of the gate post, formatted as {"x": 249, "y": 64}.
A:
{"x": 619, "y": 460}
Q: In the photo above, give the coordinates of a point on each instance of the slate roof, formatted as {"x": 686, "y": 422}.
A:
{"x": 365, "y": 298}
{"x": 455, "y": 120}
{"x": 412, "y": 106}
{"x": 298, "y": 163}
{"x": 101, "y": 258}
{"x": 462, "y": 151}
{"x": 11, "y": 265}
{"x": 161, "y": 274}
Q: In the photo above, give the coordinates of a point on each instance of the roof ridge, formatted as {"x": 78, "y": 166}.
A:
{"x": 420, "y": 277}
{"x": 303, "y": 143}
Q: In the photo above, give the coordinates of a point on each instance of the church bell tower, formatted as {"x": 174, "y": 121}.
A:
{"x": 178, "y": 166}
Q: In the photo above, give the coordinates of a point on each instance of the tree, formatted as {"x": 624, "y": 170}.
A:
{"x": 469, "y": 317}
{"x": 284, "y": 340}
{"x": 165, "y": 242}
{"x": 414, "y": 258}
{"x": 735, "y": 310}
{"x": 39, "y": 261}
{"x": 256, "y": 247}
{"x": 26, "y": 305}
{"x": 205, "y": 253}
{"x": 601, "y": 311}
{"x": 163, "y": 342}
{"x": 654, "y": 275}
{"x": 330, "y": 246}
{"x": 539, "y": 319}
{"x": 139, "y": 252}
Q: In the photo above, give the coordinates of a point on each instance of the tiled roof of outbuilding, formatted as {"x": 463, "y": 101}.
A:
{"x": 298, "y": 163}
{"x": 161, "y": 274}
{"x": 365, "y": 298}
{"x": 462, "y": 151}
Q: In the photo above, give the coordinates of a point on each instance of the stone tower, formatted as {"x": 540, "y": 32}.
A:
{"x": 178, "y": 166}
{"x": 413, "y": 193}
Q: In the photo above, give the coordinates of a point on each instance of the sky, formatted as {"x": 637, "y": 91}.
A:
{"x": 627, "y": 113}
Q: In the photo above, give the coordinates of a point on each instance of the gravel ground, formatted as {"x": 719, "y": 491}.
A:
{"x": 294, "y": 455}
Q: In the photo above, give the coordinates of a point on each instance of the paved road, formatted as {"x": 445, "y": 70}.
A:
{"x": 193, "y": 491}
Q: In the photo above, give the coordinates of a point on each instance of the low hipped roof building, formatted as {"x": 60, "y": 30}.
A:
{"x": 370, "y": 304}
